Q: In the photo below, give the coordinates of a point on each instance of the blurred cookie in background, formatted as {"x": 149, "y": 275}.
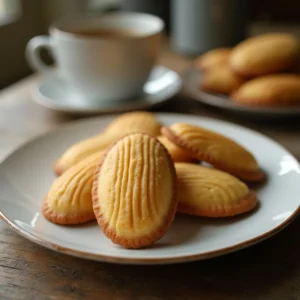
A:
{"x": 265, "y": 54}
{"x": 269, "y": 90}
{"x": 212, "y": 58}
{"x": 221, "y": 79}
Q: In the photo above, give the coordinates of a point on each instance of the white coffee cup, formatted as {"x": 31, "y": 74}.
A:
{"x": 101, "y": 68}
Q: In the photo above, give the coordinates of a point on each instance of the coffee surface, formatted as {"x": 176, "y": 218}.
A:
{"x": 107, "y": 33}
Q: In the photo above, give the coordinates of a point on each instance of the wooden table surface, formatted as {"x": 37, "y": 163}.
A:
{"x": 269, "y": 270}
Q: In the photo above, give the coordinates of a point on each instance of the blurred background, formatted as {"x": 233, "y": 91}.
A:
{"x": 20, "y": 20}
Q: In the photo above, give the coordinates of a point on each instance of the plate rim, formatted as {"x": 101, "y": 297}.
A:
{"x": 150, "y": 261}
{"x": 232, "y": 107}
{"x": 143, "y": 261}
{"x": 47, "y": 102}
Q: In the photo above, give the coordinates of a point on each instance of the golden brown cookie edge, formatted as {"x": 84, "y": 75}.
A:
{"x": 253, "y": 176}
{"x": 63, "y": 219}
{"x": 145, "y": 241}
{"x": 247, "y": 204}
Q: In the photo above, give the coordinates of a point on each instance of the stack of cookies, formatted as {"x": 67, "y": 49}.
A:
{"x": 260, "y": 71}
{"x": 135, "y": 175}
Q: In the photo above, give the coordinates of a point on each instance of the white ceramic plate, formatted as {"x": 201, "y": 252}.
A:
{"x": 191, "y": 81}
{"x": 26, "y": 175}
{"x": 55, "y": 93}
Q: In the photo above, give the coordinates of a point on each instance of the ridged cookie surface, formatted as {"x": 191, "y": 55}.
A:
{"x": 134, "y": 191}
{"x": 215, "y": 149}
{"x": 69, "y": 200}
{"x": 122, "y": 125}
{"x": 209, "y": 192}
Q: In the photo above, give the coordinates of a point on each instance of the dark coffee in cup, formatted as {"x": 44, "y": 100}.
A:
{"x": 107, "y": 33}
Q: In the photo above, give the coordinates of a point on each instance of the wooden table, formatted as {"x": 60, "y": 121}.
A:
{"x": 270, "y": 270}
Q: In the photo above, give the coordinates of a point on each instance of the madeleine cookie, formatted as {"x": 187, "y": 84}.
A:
{"x": 69, "y": 200}
{"x": 212, "y": 58}
{"x": 138, "y": 121}
{"x": 269, "y": 90}
{"x": 264, "y": 54}
{"x": 79, "y": 151}
{"x": 124, "y": 124}
{"x": 209, "y": 192}
{"x": 215, "y": 149}
{"x": 220, "y": 79}
{"x": 177, "y": 154}
{"x": 134, "y": 191}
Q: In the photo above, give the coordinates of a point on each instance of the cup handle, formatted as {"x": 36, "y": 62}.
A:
{"x": 33, "y": 53}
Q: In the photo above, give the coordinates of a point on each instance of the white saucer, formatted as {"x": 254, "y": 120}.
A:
{"x": 54, "y": 93}
{"x": 26, "y": 175}
{"x": 191, "y": 84}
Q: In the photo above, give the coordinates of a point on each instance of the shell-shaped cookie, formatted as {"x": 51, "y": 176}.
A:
{"x": 221, "y": 79}
{"x": 69, "y": 200}
{"x": 82, "y": 150}
{"x": 269, "y": 90}
{"x": 134, "y": 191}
{"x": 212, "y": 58}
{"x": 265, "y": 54}
{"x": 124, "y": 124}
{"x": 177, "y": 154}
{"x": 215, "y": 149}
{"x": 138, "y": 121}
{"x": 209, "y": 192}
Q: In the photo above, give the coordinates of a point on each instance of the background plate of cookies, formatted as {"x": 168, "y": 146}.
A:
{"x": 145, "y": 188}
{"x": 260, "y": 76}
